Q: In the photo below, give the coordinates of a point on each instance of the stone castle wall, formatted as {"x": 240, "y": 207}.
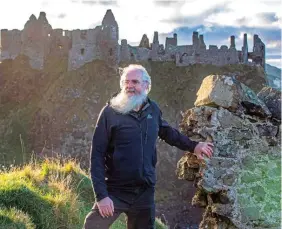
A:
{"x": 39, "y": 41}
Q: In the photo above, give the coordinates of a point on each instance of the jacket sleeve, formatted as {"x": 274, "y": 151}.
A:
{"x": 101, "y": 138}
{"x": 173, "y": 137}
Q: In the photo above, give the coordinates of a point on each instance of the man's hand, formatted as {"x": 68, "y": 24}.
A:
{"x": 106, "y": 207}
{"x": 203, "y": 148}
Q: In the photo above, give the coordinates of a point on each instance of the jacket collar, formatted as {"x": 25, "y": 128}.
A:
{"x": 144, "y": 111}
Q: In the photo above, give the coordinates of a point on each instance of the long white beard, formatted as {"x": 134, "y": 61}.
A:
{"x": 122, "y": 103}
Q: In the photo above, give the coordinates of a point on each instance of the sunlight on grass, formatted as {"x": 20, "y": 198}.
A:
{"x": 48, "y": 194}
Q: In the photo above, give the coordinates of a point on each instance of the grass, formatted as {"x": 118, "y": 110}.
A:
{"x": 50, "y": 194}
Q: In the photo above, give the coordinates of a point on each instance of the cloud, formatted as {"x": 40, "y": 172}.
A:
{"x": 167, "y": 3}
{"x": 195, "y": 17}
{"x": 62, "y": 15}
{"x": 251, "y": 13}
{"x": 273, "y": 44}
{"x": 275, "y": 62}
{"x": 269, "y": 17}
{"x": 99, "y": 2}
{"x": 44, "y": 3}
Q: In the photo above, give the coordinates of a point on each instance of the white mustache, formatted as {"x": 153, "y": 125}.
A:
{"x": 124, "y": 103}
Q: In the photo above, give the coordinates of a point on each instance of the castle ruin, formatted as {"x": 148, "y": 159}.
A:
{"x": 39, "y": 41}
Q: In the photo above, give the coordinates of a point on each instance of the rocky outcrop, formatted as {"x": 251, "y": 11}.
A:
{"x": 272, "y": 99}
{"x": 240, "y": 186}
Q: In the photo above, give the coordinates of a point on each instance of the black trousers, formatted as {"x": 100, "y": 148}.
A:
{"x": 137, "y": 204}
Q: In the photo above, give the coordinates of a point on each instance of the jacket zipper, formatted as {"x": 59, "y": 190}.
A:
{"x": 142, "y": 150}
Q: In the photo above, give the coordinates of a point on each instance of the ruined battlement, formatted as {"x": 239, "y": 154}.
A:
{"x": 38, "y": 40}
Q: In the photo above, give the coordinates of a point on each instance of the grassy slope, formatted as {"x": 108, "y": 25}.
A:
{"x": 47, "y": 195}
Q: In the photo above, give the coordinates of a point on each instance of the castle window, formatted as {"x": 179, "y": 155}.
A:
{"x": 131, "y": 55}
{"x": 228, "y": 58}
{"x": 111, "y": 51}
{"x": 60, "y": 46}
{"x": 82, "y": 51}
{"x": 64, "y": 34}
{"x": 49, "y": 34}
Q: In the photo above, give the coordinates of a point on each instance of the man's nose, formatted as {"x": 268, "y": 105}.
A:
{"x": 130, "y": 84}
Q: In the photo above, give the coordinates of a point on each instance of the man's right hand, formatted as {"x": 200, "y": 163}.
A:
{"x": 106, "y": 207}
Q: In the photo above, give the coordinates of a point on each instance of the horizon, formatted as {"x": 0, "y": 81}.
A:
{"x": 217, "y": 20}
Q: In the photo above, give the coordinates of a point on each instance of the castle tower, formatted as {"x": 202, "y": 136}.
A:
{"x": 155, "y": 46}
{"x": 170, "y": 42}
{"x": 124, "y": 51}
{"x": 245, "y": 49}
{"x": 34, "y": 39}
{"x": 175, "y": 38}
{"x": 202, "y": 44}
{"x": 144, "y": 43}
{"x": 258, "y": 55}
{"x": 156, "y": 38}
{"x": 107, "y": 40}
{"x": 195, "y": 40}
{"x": 109, "y": 21}
{"x": 232, "y": 42}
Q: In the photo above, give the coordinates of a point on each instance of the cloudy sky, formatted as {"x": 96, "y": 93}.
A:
{"x": 216, "y": 19}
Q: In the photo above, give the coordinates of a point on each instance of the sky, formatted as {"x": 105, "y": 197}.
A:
{"x": 217, "y": 20}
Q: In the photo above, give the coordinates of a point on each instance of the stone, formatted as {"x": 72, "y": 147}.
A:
{"x": 272, "y": 99}
{"x": 252, "y": 103}
{"x": 218, "y": 91}
{"x": 222, "y": 209}
{"x": 188, "y": 167}
{"x": 240, "y": 134}
{"x": 229, "y": 179}
{"x": 227, "y": 92}
{"x": 267, "y": 129}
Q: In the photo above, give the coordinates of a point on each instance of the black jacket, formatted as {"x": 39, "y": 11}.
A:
{"x": 124, "y": 148}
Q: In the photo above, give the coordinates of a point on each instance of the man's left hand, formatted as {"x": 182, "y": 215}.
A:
{"x": 203, "y": 149}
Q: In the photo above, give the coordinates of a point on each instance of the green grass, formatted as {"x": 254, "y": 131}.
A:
{"x": 14, "y": 218}
{"x": 47, "y": 195}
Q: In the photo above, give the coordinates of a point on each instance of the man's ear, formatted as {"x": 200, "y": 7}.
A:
{"x": 147, "y": 85}
{"x": 120, "y": 71}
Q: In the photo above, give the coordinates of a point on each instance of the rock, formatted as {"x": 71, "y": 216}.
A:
{"x": 187, "y": 167}
{"x": 272, "y": 99}
{"x": 222, "y": 209}
{"x": 267, "y": 129}
{"x": 252, "y": 103}
{"x": 227, "y": 92}
{"x": 218, "y": 91}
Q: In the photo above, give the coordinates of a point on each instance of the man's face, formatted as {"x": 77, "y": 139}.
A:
{"x": 133, "y": 83}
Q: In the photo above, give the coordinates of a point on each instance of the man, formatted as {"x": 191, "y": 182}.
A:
{"x": 123, "y": 156}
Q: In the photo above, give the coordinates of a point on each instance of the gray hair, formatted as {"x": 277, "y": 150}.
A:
{"x": 145, "y": 76}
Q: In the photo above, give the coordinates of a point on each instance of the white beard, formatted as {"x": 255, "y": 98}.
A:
{"x": 122, "y": 103}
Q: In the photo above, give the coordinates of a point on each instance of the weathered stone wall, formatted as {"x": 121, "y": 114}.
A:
{"x": 240, "y": 186}
{"x": 38, "y": 41}
{"x": 10, "y": 44}
{"x": 83, "y": 48}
